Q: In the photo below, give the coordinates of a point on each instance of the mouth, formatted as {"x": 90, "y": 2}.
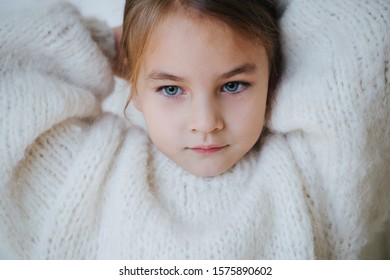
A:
{"x": 207, "y": 149}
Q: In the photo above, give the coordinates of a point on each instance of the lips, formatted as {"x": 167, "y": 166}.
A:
{"x": 207, "y": 149}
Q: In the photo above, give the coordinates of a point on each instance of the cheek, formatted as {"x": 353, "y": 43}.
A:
{"x": 247, "y": 119}
{"x": 163, "y": 123}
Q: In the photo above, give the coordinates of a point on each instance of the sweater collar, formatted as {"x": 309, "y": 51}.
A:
{"x": 192, "y": 198}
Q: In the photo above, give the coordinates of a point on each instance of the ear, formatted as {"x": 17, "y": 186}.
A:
{"x": 136, "y": 102}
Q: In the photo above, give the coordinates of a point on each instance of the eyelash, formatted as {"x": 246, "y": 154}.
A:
{"x": 243, "y": 85}
{"x": 160, "y": 90}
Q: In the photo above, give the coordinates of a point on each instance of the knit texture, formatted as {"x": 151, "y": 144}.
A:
{"x": 78, "y": 180}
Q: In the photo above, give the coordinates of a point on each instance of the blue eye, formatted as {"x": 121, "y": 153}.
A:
{"x": 171, "y": 91}
{"x": 234, "y": 87}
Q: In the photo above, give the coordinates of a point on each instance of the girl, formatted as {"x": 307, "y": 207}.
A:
{"x": 79, "y": 182}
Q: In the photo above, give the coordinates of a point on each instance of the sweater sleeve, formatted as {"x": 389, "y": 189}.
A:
{"x": 51, "y": 70}
{"x": 53, "y": 78}
{"x": 333, "y": 105}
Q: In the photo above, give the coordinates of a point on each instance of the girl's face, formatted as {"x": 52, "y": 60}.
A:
{"x": 202, "y": 89}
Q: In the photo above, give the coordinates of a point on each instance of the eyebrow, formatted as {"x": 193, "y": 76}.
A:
{"x": 247, "y": 68}
{"x": 156, "y": 75}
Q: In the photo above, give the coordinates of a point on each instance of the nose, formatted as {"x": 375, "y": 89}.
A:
{"x": 205, "y": 116}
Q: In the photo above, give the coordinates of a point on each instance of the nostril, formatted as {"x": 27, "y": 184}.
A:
{"x": 208, "y": 127}
{"x": 205, "y": 115}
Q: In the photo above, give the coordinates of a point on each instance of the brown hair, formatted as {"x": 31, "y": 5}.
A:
{"x": 255, "y": 19}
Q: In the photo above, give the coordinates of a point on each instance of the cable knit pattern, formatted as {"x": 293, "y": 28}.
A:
{"x": 80, "y": 181}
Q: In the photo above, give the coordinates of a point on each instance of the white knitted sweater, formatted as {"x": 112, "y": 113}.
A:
{"x": 77, "y": 181}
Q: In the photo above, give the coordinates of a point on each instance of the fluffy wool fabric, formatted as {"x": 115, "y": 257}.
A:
{"x": 82, "y": 182}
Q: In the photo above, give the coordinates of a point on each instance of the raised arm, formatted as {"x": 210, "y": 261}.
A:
{"x": 53, "y": 77}
{"x": 51, "y": 70}
{"x": 333, "y": 105}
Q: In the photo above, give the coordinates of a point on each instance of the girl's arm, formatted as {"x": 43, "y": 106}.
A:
{"x": 53, "y": 76}
{"x": 51, "y": 70}
{"x": 333, "y": 105}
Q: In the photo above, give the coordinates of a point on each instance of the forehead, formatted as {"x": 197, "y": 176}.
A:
{"x": 182, "y": 38}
